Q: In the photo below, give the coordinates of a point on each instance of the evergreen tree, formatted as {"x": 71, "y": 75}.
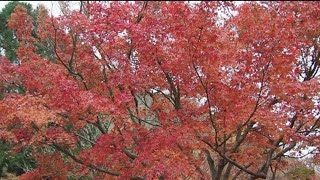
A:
{"x": 8, "y": 41}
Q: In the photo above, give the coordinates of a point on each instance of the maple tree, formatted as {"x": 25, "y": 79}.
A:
{"x": 19, "y": 162}
{"x": 165, "y": 90}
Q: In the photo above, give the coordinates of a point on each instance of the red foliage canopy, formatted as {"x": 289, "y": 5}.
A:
{"x": 164, "y": 90}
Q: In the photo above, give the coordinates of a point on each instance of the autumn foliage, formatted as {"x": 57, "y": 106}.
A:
{"x": 164, "y": 90}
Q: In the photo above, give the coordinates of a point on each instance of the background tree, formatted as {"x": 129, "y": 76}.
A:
{"x": 8, "y": 39}
{"x": 165, "y": 90}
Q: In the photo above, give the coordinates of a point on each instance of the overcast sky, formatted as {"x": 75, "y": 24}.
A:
{"x": 53, "y": 6}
